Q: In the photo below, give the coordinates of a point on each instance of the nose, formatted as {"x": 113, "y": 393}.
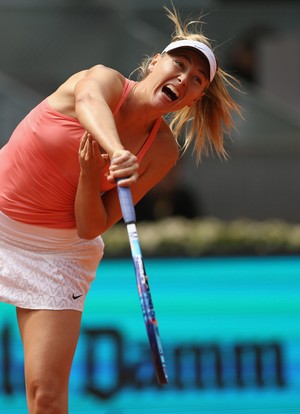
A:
{"x": 183, "y": 78}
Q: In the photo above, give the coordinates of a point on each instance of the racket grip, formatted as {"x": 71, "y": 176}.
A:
{"x": 126, "y": 204}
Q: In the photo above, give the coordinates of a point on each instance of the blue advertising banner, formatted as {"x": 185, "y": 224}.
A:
{"x": 230, "y": 329}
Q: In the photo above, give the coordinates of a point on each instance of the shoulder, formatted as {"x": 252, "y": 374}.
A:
{"x": 98, "y": 74}
{"x": 101, "y": 72}
{"x": 166, "y": 143}
{"x": 98, "y": 80}
{"x": 102, "y": 78}
{"x": 164, "y": 151}
{"x": 157, "y": 162}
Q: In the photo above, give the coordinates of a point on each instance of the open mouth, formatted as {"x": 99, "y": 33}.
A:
{"x": 170, "y": 92}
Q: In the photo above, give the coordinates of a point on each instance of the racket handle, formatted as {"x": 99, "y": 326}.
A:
{"x": 126, "y": 204}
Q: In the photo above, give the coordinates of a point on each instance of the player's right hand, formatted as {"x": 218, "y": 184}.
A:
{"x": 124, "y": 168}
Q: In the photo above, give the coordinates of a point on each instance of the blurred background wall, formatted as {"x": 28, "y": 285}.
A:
{"x": 43, "y": 42}
{"x": 210, "y": 308}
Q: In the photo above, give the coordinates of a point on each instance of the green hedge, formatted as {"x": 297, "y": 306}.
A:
{"x": 210, "y": 236}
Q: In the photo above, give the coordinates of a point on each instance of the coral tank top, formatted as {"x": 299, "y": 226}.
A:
{"x": 39, "y": 167}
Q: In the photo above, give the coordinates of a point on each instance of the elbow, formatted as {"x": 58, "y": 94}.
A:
{"x": 87, "y": 235}
{"x": 90, "y": 232}
{"x": 87, "y": 232}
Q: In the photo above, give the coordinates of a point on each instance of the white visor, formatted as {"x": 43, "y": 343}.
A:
{"x": 200, "y": 47}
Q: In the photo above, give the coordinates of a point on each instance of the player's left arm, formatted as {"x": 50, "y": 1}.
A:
{"x": 95, "y": 213}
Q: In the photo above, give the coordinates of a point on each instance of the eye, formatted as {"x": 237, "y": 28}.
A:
{"x": 179, "y": 63}
{"x": 197, "y": 79}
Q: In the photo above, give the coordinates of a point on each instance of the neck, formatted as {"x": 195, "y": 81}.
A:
{"x": 137, "y": 111}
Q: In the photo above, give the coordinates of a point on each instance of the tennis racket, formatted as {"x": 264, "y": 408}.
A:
{"x": 129, "y": 217}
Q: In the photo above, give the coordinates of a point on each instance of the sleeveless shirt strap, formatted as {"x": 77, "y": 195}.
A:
{"x": 127, "y": 88}
{"x": 150, "y": 139}
{"x": 129, "y": 84}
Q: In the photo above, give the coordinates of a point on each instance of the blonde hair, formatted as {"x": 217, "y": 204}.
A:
{"x": 208, "y": 119}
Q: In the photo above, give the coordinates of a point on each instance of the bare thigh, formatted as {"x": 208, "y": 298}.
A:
{"x": 49, "y": 339}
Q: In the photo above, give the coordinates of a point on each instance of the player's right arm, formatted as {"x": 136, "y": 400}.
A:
{"x": 91, "y": 96}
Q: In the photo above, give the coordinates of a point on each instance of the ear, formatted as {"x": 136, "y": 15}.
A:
{"x": 154, "y": 61}
{"x": 198, "y": 100}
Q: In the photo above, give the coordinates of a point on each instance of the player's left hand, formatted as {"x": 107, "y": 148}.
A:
{"x": 91, "y": 160}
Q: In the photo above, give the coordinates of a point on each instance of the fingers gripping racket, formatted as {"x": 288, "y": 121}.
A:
{"x": 129, "y": 217}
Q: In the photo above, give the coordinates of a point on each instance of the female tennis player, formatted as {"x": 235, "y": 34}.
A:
{"x": 58, "y": 192}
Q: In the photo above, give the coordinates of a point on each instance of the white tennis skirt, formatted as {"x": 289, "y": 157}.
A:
{"x": 43, "y": 268}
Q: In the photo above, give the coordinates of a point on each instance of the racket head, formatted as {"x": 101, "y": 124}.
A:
{"x": 151, "y": 323}
{"x": 157, "y": 353}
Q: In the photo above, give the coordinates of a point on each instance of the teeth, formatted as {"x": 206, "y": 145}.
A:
{"x": 174, "y": 90}
{"x": 171, "y": 92}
